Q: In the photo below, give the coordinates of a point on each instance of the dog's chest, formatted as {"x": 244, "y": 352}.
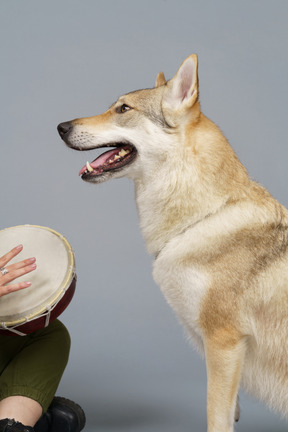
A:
{"x": 184, "y": 288}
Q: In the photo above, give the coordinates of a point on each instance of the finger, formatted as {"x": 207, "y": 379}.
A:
{"x": 14, "y": 274}
{"x": 4, "y": 290}
{"x": 11, "y": 254}
{"x": 20, "y": 264}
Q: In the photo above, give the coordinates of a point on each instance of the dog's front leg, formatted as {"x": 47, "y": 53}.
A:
{"x": 224, "y": 361}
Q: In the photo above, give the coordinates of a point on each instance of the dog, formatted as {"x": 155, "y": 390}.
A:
{"x": 219, "y": 239}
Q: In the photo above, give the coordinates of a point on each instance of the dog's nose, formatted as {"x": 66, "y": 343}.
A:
{"x": 64, "y": 128}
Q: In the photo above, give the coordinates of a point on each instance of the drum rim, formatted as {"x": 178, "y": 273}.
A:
{"x": 71, "y": 272}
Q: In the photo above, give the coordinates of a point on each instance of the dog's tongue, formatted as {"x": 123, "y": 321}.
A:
{"x": 102, "y": 160}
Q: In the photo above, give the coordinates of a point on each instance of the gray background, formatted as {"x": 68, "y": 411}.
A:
{"x": 131, "y": 368}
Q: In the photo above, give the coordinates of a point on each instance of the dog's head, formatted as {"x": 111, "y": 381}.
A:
{"x": 139, "y": 128}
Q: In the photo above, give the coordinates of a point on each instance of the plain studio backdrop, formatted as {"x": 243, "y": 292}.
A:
{"x": 131, "y": 367}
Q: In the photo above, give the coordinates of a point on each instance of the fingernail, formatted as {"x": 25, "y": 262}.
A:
{"x": 32, "y": 260}
{"x": 27, "y": 283}
{"x": 33, "y": 266}
{"x": 19, "y": 247}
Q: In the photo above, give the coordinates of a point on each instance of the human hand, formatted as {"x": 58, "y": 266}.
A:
{"x": 14, "y": 271}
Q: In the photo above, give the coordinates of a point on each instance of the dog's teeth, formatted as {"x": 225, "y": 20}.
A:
{"x": 120, "y": 155}
{"x": 114, "y": 159}
{"x": 123, "y": 152}
{"x": 88, "y": 166}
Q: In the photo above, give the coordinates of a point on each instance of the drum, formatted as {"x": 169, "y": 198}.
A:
{"x": 53, "y": 283}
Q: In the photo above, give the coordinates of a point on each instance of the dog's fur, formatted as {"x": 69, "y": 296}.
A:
{"x": 219, "y": 239}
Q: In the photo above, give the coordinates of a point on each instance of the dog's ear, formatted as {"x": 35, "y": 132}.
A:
{"x": 182, "y": 90}
{"x": 160, "y": 80}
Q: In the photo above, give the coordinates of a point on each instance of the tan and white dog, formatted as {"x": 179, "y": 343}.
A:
{"x": 219, "y": 239}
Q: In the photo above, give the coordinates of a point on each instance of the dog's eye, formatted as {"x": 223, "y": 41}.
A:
{"x": 122, "y": 108}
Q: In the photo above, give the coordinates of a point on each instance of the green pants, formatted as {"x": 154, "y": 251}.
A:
{"x": 33, "y": 365}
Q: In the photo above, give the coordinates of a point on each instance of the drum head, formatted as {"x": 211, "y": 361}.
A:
{"x": 53, "y": 276}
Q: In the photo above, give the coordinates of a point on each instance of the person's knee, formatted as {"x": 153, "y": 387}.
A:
{"x": 54, "y": 341}
{"x": 62, "y": 338}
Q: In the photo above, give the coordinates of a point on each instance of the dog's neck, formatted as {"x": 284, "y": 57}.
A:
{"x": 190, "y": 186}
{"x": 164, "y": 214}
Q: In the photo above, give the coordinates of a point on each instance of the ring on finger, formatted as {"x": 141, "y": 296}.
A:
{"x": 4, "y": 271}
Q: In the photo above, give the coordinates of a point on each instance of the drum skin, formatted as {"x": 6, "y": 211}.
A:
{"x": 38, "y": 323}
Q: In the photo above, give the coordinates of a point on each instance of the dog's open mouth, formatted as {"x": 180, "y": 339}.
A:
{"x": 120, "y": 156}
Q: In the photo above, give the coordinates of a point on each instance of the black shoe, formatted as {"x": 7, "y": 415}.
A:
{"x": 63, "y": 415}
{"x": 10, "y": 425}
